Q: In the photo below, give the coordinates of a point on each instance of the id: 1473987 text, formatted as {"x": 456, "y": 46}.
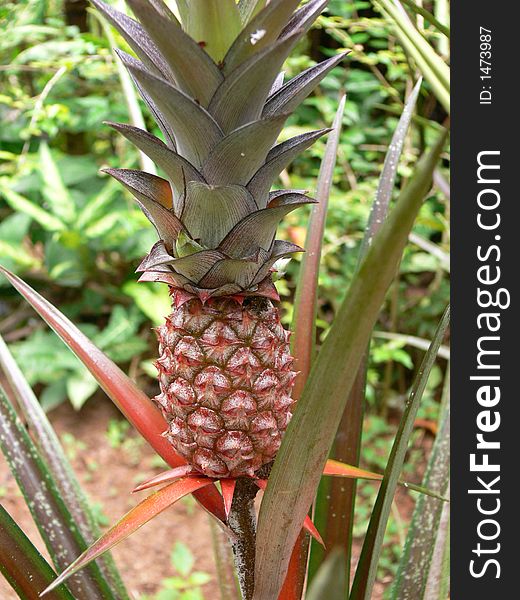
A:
{"x": 485, "y": 65}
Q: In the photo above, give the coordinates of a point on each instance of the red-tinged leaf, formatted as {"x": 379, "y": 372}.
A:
{"x": 297, "y": 572}
{"x": 304, "y": 323}
{"x": 166, "y": 477}
{"x": 125, "y": 394}
{"x": 130, "y": 400}
{"x": 139, "y": 515}
{"x": 306, "y": 300}
{"x": 310, "y": 527}
{"x": 339, "y": 469}
{"x": 228, "y": 489}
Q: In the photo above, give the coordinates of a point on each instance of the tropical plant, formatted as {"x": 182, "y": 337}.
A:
{"x": 210, "y": 75}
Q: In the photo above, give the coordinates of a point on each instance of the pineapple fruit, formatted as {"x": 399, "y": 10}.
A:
{"x": 212, "y": 81}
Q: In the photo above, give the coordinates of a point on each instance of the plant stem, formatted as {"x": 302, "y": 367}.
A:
{"x": 242, "y": 521}
{"x": 224, "y": 562}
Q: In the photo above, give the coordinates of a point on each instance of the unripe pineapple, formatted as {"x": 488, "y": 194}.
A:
{"x": 212, "y": 82}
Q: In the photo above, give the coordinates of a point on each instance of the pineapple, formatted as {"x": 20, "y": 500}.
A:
{"x": 212, "y": 81}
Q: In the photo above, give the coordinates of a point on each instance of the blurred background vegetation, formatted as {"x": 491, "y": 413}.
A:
{"x": 77, "y": 236}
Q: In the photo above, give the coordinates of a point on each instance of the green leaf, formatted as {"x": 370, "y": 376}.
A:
{"x": 370, "y": 553}
{"x": 25, "y": 569}
{"x": 199, "y": 578}
{"x": 194, "y": 71}
{"x": 422, "y": 564}
{"x": 103, "y": 226}
{"x": 182, "y": 559}
{"x": 17, "y": 254}
{"x": 14, "y": 227}
{"x": 214, "y": 24}
{"x": 129, "y": 94}
{"x": 53, "y": 395}
{"x": 303, "y": 453}
{"x": 428, "y": 16}
{"x": 13, "y": 230}
{"x": 80, "y": 387}
{"x": 330, "y": 581}
{"x": 55, "y": 523}
{"x": 434, "y": 69}
{"x": 54, "y": 190}
{"x": 335, "y": 502}
{"x": 96, "y": 205}
{"x": 21, "y": 204}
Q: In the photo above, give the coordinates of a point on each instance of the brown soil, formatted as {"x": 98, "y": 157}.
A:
{"x": 108, "y": 475}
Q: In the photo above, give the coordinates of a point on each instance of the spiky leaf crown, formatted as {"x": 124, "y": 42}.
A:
{"x": 215, "y": 215}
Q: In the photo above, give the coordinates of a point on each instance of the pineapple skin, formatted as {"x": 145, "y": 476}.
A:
{"x": 225, "y": 374}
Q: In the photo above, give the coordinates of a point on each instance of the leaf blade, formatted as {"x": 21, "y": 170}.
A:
{"x": 57, "y": 528}
{"x": 59, "y": 466}
{"x": 426, "y": 533}
{"x": 335, "y": 503}
{"x": 366, "y": 571}
{"x": 306, "y": 299}
{"x": 138, "y": 516}
{"x": 25, "y": 569}
{"x": 297, "y": 468}
{"x": 130, "y": 400}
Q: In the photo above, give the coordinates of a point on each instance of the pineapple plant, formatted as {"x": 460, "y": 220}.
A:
{"x": 217, "y": 93}
{"x": 210, "y": 73}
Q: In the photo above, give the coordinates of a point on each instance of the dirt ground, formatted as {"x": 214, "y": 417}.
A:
{"x": 108, "y": 474}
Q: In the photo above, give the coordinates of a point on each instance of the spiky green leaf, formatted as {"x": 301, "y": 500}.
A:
{"x": 237, "y": 157}
{"x": 372, "y": 545}
{"x": 194, "y": 71}
{"x": 210, "y": 212}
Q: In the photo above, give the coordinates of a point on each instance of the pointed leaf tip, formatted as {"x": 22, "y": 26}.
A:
{"x": 228, "y": 490}
{"x": 165, "y": 477}
{"x": 309, "y": 526}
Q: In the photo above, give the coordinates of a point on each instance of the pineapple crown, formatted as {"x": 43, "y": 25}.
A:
{"x": 212, "y": 82}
